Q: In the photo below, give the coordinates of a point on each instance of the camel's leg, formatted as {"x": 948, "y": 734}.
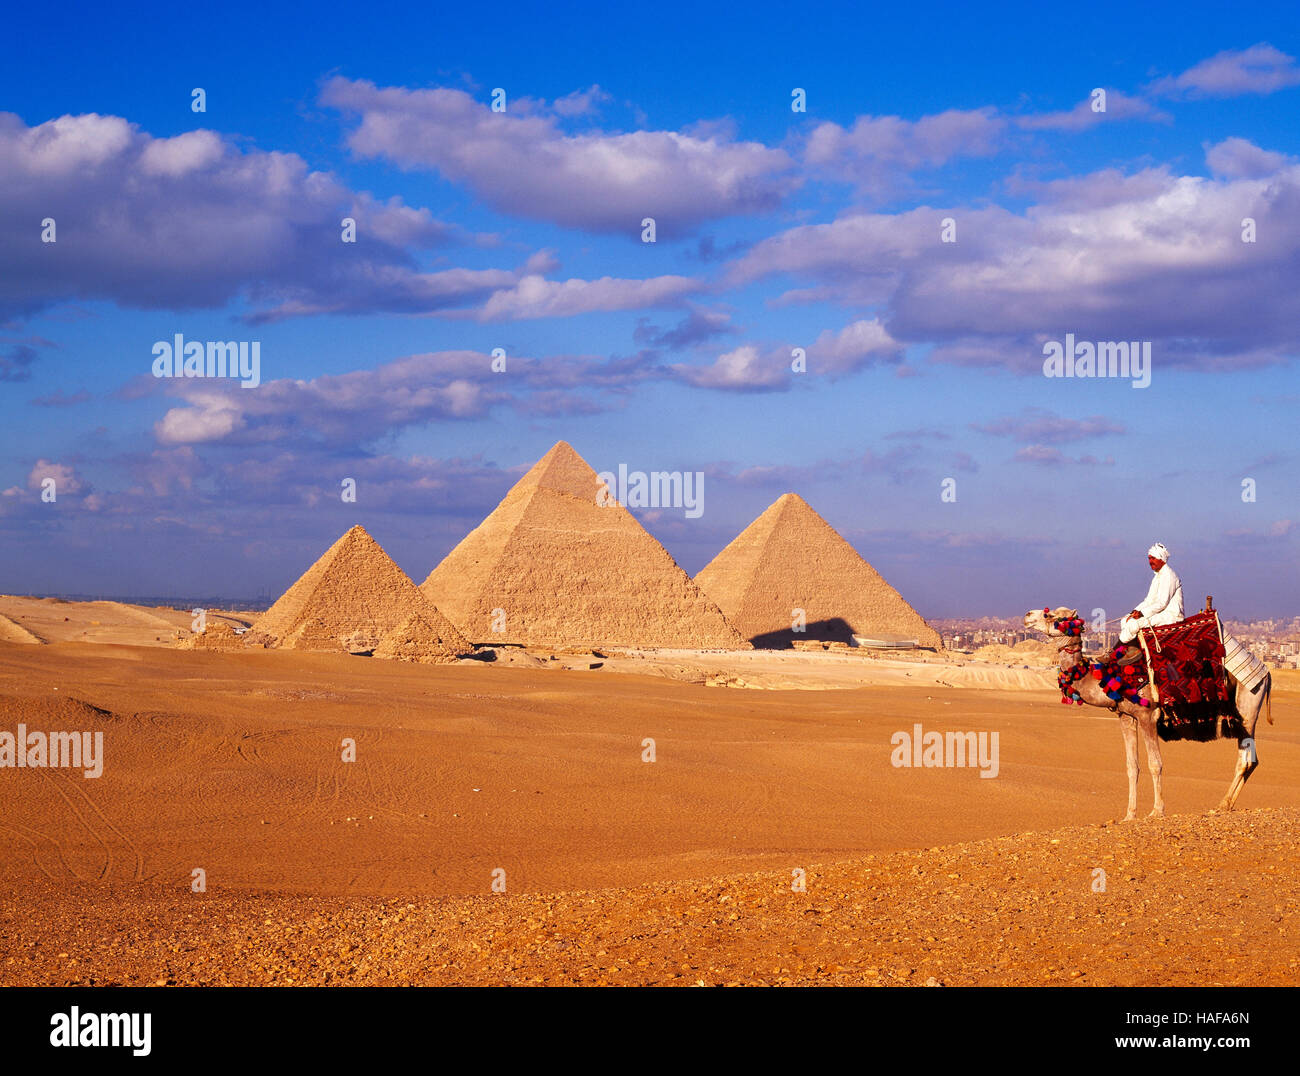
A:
{"x": 1247, "y": 763}
{"x": 1249, "y": 707}
{"x": 1147, "y": 722}
{"x": 1128, "y": 726}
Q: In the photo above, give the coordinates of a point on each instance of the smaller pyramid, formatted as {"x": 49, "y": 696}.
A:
{"x": 219, "y": 635}
{"x": 415, "y": 639}
{"x": 349, "y": 600}
{"x": 790, "y": 558}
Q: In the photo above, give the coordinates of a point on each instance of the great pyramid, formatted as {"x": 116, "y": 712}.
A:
{"x": 351, "y": 599}
{"x": 790, "y": 558}
{"x": 564, "y": 570}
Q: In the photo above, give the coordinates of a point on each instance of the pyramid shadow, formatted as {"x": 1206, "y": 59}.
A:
{"x": 834, "y": 629}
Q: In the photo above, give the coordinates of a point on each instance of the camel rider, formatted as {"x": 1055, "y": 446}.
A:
{"x": 1164, "y": 601}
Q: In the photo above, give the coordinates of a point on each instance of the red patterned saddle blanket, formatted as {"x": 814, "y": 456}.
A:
{"x": 1186, "y": 665}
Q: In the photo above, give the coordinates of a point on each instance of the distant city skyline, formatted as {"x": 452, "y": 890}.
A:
{"x": 870, "y": 232}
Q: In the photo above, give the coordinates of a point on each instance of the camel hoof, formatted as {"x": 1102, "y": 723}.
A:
{"x": 1130, "y": 816}
{"x": 1158, "y": 812}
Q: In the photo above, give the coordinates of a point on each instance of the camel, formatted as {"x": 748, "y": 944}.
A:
{"x": 1134, "y": 717}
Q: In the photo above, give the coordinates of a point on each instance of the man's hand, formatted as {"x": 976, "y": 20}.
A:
{"x": 1135, "y": 615}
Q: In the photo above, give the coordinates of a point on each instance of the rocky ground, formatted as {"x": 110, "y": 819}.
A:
{"x": 1188, "y": 900}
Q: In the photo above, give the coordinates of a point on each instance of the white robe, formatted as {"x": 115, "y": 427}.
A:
{"x": 1163, "y": 604}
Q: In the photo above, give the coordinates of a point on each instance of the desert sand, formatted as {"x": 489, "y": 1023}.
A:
{"x": 616, "y": 869}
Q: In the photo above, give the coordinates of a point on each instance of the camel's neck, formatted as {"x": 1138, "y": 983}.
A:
{"x": 1071, "y": 653}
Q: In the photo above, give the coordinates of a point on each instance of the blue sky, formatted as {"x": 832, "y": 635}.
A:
{"x": 776, "y": 229}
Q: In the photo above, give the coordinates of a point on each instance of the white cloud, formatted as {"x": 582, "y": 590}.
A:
{"x": 535, "y": 297}
{"x": 524, "y": 164}
{"x": 1260, "y": 69}
{"x": 742, "y": 368}
{"x": 66, "y": 481}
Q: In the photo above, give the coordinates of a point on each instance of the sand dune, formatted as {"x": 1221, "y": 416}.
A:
{"x": 54, "y": 620}
{"x": 139, "y": 614}
{"x": 13, "y": 632}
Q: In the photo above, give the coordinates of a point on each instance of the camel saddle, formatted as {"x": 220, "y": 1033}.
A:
{"x": 1185, "y": 663}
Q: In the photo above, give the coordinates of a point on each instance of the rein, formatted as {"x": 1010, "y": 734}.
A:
{"x": 1072, "y": 628}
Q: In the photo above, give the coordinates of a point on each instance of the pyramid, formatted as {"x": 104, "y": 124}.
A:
{"x": 566, "y": 571}
{"x": 415, "y": 639}
{"x": 349, "y": 600}
{"x": 790, "y": 558}
{"x": 218, "y": 635}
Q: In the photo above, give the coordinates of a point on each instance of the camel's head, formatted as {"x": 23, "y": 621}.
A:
{"x": 1043, "y": 619}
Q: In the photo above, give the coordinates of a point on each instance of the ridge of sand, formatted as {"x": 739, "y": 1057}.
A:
{"x": 567, "y": 571}
{"x": 349, "y": 600}
{"x": 415, "y": 639}
{"x": 139, "y": 615}
{"x": 61, "y": 621}
{"x": 790, "y": 558}
{"x": 13, "y": 632}
{"x": 61, "y": 712}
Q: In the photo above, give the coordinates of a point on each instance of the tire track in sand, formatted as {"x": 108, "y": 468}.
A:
{"x": 17, "y": 827}
{"x": 108, "y": 852}
{"x": 63, "y": 784}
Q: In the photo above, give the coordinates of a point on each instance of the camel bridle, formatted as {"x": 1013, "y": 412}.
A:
{"x": 1072, "y": 627}
{"x": 1106, "y": 670}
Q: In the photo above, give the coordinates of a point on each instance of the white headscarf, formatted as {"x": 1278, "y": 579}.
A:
{"x": 1159, "y": 552}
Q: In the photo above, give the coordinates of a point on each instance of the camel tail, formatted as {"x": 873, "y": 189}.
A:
{"x": 1268, "y": 703}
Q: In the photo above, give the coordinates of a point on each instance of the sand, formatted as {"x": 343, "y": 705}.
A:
{"x": 13, "y": 632}
{"x": 56, "y": 620}
{"x": 1011, "y": 911}
{"x": 1044, "y": 652}
{"x": 672, "y": 871}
